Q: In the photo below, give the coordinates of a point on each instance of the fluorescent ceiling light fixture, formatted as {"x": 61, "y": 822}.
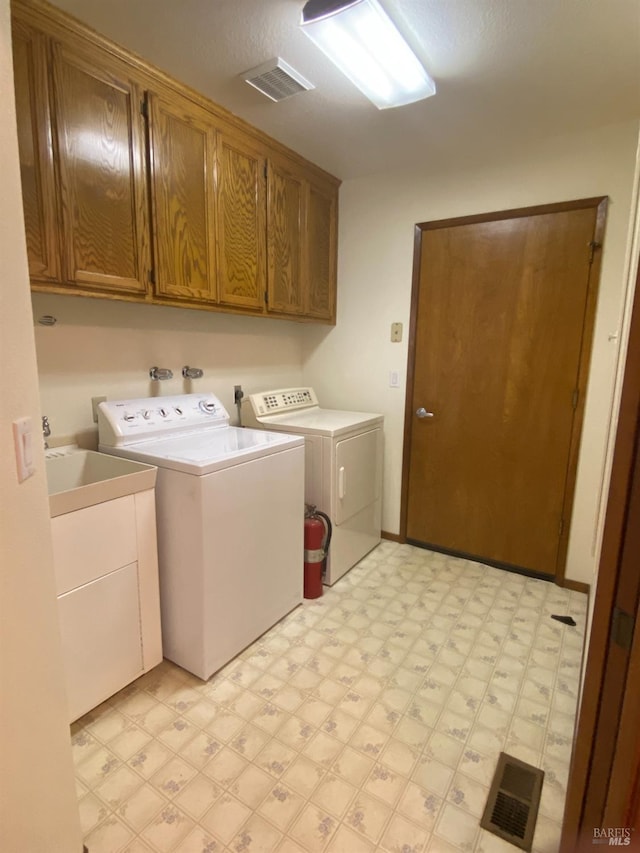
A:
{"x": 360, "y": 38}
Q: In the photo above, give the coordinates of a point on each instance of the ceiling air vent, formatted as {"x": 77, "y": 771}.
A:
{"x": 277, "y": 80}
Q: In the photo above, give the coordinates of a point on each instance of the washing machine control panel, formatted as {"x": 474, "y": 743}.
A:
{"x": 282, "y": 400}
{"x": 122, "y": 422}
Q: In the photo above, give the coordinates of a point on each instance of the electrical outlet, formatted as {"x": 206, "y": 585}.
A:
{"x": 238, "y": 394}
{"x": 95, "y": 401}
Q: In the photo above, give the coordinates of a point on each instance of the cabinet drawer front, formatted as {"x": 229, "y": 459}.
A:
{"x": 100, "y": 628}
{"x": 92, "y": 542}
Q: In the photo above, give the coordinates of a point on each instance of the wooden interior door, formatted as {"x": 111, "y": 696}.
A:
{"x": 100, "y": 135}
{"x": 501, "y": 319}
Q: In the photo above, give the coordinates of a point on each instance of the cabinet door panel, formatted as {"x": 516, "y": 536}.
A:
{"x": 36, "y": 151}
{"x": 285, "y": 224}
{"x": 241, "y": 223}
{"x": 321, "y": 254}
{"x": 183, "y": 203}
{"x": 100, "y": 632}
{"x": 101, "y": 170}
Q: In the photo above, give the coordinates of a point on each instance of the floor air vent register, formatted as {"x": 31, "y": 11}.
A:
{"x": 512, "y": 805}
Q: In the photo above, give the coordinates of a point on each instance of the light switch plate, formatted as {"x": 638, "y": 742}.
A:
{"x": 394, "y": 379}
{"x": 23, "y": 443}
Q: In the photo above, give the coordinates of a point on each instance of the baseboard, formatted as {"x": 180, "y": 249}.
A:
{"x": 392, "y": 537}
{"x": 576, "y": 586}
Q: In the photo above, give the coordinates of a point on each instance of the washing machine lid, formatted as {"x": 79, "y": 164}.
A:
{"x": 207, "y": 451}
{"x": 317, "y": 421}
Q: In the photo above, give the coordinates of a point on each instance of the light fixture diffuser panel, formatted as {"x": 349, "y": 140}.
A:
{"x": 361, "y": 40}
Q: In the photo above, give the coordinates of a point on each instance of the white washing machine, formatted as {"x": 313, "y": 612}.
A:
{"x": 343, "y": 466}
{"x": 230, "y": 507}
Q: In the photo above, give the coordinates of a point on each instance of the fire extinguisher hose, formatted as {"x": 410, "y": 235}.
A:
{"x": 327, "y": 541}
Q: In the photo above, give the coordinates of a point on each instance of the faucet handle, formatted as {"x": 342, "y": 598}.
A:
{"x": 46, "y": 431}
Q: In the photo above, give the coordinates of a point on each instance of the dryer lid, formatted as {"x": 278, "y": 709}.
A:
{"x": 316, "y": 421}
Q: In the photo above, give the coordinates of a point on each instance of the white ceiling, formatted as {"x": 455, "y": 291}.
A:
{"x": 508, "y": 72}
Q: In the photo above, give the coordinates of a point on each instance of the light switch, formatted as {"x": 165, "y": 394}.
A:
{"x": 23, "y": 443}
{"x": 394, "y": 379}
{"x": 396, "y": 333}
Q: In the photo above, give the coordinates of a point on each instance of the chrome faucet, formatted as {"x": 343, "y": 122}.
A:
{"x": 192, "y": 372}
{"x": 160, "y": 373}
{"x": 46, "y": 431}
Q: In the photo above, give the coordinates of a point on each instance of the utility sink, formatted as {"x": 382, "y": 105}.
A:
{"x": 82, "y": 478}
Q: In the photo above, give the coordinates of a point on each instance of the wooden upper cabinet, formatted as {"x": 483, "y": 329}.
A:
{"x": 36, "y": 152}
{"x": 182, "y": 140}
{"x": 321, "y": 251}
{"x": 137, "y": 188}
{"x": 101, "y": 161}
{"x": 241, "y": 211}
{"x": 286, "y": 192}
{"x": 302, "y": 215}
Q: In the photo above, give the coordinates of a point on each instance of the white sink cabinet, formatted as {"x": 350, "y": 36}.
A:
{"x": 106, "y": 567}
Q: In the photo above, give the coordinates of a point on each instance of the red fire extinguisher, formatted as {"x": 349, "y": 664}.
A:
{"x": 317, "y": 536}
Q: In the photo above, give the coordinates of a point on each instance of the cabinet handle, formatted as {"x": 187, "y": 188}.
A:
{"x": 342, "y": 482}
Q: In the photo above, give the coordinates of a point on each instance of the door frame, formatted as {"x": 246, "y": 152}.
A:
{"x": 600, "y": 205}
{"x": 604, "y": 780}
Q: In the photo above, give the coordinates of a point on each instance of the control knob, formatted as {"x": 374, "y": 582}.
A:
{"x": 128, "y": 418}
{"x": 208, "y": 407}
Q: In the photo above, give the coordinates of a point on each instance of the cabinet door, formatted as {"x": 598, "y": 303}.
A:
{"x": 241, "y": 222}
{"x": 100, "y": 630}
{"x": 100, "y": 146}
{"x": 285, "y": 225}
{"x": 36, "y": 151}
{"x": 321, "y": 252}
{"x": 182, "y": 141}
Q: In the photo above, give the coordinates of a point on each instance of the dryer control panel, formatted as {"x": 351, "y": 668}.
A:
{"x": 123, "y": 422}
{"x": 282, "y": 400}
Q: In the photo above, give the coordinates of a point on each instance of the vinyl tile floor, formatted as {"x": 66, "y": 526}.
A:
{"x": 370, "y": 719}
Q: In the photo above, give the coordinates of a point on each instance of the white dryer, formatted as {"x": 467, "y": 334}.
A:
{"x": 230, "y": 511}
{"x": 343, "y": 466}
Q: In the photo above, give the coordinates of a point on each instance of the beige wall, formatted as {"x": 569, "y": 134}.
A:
{"x": 104, "y": 348}
{"x": 350, "y": 365}
{"x": 38, "y": 809}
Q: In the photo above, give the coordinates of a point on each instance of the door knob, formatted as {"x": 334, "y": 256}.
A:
{"x": 423, "y": 413}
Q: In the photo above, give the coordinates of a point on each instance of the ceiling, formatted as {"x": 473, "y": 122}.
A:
{"x": 509, "y": 73}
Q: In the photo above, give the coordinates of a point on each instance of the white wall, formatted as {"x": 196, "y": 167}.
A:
{"x": 38, "y": 809}
{"x": 350, "y": 365}
{"x": 104, "y": 348}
